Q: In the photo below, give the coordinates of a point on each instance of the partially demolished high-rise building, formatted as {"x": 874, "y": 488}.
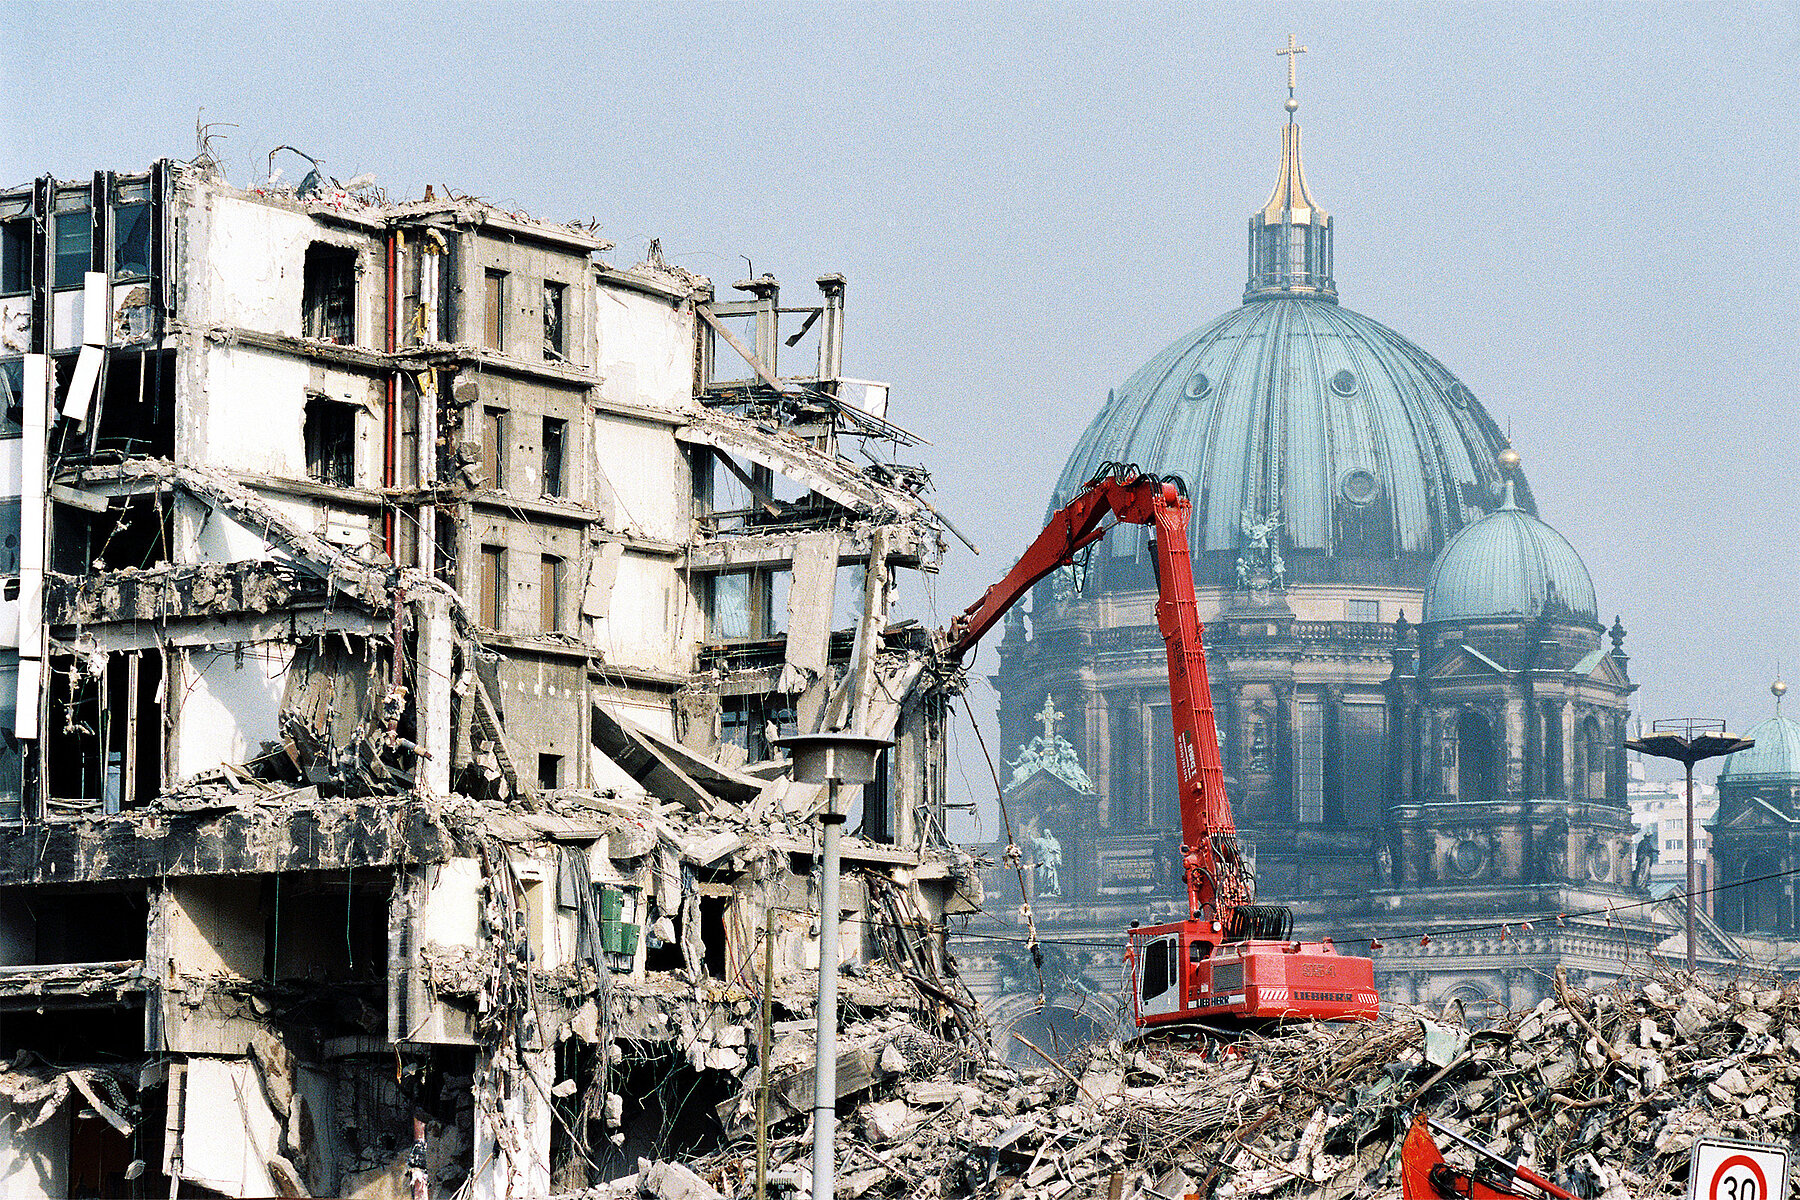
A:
{"x": 400, "y": 604}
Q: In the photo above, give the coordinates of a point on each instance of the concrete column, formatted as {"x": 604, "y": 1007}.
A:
{"x": 516, "y": 1163}
{"x": 435, "y": 645}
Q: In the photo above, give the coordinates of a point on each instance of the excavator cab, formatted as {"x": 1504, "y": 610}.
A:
{"x": 1184, "y": 971}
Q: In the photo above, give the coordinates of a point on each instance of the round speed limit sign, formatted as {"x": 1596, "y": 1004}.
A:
{"x": 1725, "y": 1169}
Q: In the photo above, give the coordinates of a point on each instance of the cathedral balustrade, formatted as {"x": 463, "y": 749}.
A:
{"x": 1374, "y": 633}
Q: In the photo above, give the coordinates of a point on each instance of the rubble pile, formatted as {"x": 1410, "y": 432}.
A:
{"x": 1604, "y": 1092}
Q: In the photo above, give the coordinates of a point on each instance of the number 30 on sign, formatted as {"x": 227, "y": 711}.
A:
{"x": 1724, "y": 1169}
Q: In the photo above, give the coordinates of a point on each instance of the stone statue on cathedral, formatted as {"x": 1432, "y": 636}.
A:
{"x": 1048, "y": 867}
{"x": 1647, "y": 854}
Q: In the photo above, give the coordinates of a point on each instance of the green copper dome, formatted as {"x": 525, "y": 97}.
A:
{"x": 1774, "y": 759}
{"x": 1361, "y": 453}
{"x": 1509, "y": 564}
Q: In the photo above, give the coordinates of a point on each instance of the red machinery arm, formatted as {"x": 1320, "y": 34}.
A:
{"x": 1217, "y": 881}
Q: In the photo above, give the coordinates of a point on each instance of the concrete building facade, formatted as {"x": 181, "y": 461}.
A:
{"x": 403, "y": 605}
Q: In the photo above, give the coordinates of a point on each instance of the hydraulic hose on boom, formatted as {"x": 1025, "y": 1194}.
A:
{"x": 1229, "y": 959}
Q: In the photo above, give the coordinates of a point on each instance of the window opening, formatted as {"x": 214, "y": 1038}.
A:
{"x": 555, "y": 343}
{"x": 748, "y": 722}
{"x": 15, "y": 257}
{"x": 1363, "y": 610}
{"x": 330, "y": 441}
{"x": 1309, "y": 761}
{"x": 549, "y": 772}
{"x": 555, "y": 436}
{"x": 493, "y": 447}
{"x": 493, "y": 584}
{"x": 329, "y": 293}
{"x": 494, "y": 330}
{"x": 712, "y": 934}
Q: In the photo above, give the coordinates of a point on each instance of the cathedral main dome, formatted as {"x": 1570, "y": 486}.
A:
{"x": 1362, "y": 451}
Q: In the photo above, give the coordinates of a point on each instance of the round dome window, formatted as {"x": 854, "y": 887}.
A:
{"x": 1344, "y": 383}
{"x": 1199, "y": 387}
{"x": 1359, "y": 486}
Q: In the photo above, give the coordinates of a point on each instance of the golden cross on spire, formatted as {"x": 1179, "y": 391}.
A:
{"x": 1291, "y": 53}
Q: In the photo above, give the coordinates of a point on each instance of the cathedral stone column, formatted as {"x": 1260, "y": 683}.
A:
{"x": 1512, "y": 728}
{"x": 1556, "y": 749}
{"x": 1331, "y": 785}
{"x": 1287, "y": 780}
{"x": 1093, "y": 735}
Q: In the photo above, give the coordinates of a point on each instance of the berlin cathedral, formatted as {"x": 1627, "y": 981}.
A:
{"x": 1420, "y": 706}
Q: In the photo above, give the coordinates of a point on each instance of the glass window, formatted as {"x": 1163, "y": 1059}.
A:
{"x": 11, "y": 791}
{"x": 74, "y": 247}
{"x": 1365, "y": 764}
{"x": 12, "y": 398}
{"x": 131, "y": 239}
{"x": 730, "y": 608}
{"x": 15, "y": 257}
{"x": 1363, "y": 610}
{"x": 1309, "y": 761}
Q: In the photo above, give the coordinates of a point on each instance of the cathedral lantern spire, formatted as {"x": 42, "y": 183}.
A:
{"x": 1290, "y": 236}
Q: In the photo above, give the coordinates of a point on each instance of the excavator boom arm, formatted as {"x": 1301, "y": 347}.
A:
{"x": 1215, "y": 874}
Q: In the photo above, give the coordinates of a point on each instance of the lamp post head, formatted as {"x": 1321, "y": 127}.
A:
{"x": 1689, "y": 740}
{"x": 834, "y": 757}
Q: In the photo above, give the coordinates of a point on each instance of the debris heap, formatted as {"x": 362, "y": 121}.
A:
{"x": 1604, "y": 1092}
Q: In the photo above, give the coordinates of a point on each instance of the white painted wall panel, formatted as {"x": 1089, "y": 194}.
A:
{"x": 642, "y": 620}
{"x": 253, "y": 256}
{"x": 34, "y": 1163}
{"x": 646, "y": 349}
{"x": 645, "y": 484}
{"x": 255, "y": 412}
{"x": 227, "y": 711}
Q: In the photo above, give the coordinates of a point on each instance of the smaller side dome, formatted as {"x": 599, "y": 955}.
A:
{"x": 1774, "y": 759}
{"x": 1509, "y": 564}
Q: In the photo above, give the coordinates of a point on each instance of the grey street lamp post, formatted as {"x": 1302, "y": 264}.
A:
{"x": 831, "y": 759}
{"x": 1689, "y": 740}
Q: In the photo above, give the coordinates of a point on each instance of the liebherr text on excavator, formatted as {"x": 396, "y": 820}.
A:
{"x": 1231, "y": 961}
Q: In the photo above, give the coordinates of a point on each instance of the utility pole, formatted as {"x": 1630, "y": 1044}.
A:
{"x": 831, "y": 759}
{"x": 762, "y": 1059}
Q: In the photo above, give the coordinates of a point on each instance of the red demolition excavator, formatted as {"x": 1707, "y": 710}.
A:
{"x": 1231, "y": 962}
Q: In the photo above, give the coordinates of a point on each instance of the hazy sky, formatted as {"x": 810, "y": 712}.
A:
{"x": 1588, "y": 213}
